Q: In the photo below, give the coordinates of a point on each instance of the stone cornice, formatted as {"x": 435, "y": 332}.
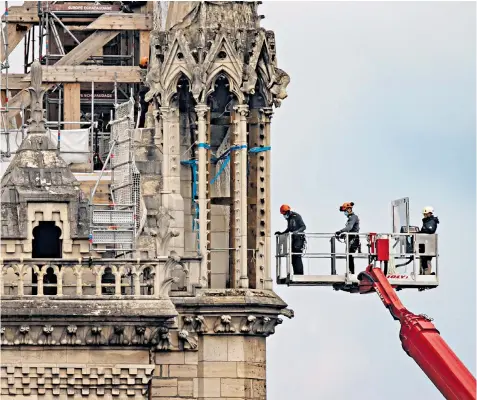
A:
{"x": 206, "y": 300}
{"x": 155, "y": 324}
{"x": 100, "y": 308}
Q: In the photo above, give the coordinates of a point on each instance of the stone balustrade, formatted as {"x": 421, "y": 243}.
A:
{"x": 83, "y": 278}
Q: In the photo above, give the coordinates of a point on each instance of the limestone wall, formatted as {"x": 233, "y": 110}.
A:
{"x": 74, "y": 373}
{"x": 225, "y": 367}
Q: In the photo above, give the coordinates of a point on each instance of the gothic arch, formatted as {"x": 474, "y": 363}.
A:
{"x": 170, "y": 84}
{"x": 233, "y": 82}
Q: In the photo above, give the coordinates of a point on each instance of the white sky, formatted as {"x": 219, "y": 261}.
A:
{"x": 381, "y": 106}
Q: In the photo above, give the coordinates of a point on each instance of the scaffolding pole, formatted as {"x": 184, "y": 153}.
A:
{"x": 5, "y": 66}
{"x": 92, "y": 127}
{"x": 59, "y": 119}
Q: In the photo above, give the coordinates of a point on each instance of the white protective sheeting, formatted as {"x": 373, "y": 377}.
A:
{"x": 74, "y": 145}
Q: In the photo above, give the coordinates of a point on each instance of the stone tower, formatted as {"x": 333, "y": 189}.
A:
{"x": 189, "y": 314}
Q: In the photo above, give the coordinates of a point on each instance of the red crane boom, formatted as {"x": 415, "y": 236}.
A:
{"x": 421, "y": 340}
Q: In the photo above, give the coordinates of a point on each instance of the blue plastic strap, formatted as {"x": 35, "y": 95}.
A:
{"x": 226, "y": 161}
{"x": 222, "y": 167}
{"x": 223, "y": 156}
{"x": 259, "y": 149}
{"x": 256, "y": 150}
{"x": 203, "y": 145}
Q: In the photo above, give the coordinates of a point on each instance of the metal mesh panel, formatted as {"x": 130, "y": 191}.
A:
{"x": 113, "y": 237}
{"x": 125, "y": 185}
{"x": 136, "y": 195}
{"x": 121, "y": 163}
{"x": 113, "y": 217}
{"x": 125, "y": 110}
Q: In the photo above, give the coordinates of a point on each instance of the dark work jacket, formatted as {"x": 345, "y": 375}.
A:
{"x": 429, "y": 224}
{"x": 352, "y": 224}
{"x": 296, "y": 225}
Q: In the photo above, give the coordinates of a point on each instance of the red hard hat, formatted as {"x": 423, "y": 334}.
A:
{"x": 347, "y": 205}
{"x": 144, "y": 62}
{"x": 284, "y": 209}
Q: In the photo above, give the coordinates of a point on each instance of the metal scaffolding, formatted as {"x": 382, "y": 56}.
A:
{"x": 113, "y": 226}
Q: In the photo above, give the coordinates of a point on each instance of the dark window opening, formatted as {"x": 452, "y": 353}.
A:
{"x": 46, "y": 244}
{"x": 108, "y": 278}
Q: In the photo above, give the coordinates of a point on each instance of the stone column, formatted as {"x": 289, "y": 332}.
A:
{"x": 172, "y": 199}
{"x": 201, "y": 110}
{"x": 166, "y": 145}
{"x": 240, "y": 205}
{"x": 266, "y": 117}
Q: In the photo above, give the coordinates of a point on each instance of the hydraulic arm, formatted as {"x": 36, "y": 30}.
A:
{"x": 421, "y": 340}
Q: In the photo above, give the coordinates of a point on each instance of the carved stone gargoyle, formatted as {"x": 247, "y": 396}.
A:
{"x": 162, "y": 231}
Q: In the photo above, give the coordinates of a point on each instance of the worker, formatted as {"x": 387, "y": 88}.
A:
{"x": 143, "y": 89}
{"x": 429, "y": 226}
{"x": 352, "y": 226}
{"x": 296, "y": 227}
{"x": 143, "y": 62}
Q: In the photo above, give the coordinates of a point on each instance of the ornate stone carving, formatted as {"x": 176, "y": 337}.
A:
{"x": 273, "y": 324}
{"x": 262, "y": 325}
{"x": 195, "y": 324}
{"x": 162, "y": 339}
{"x": 69, "y": 336}
{"x": 199, "y": 81}
{"x": 37, "y": 120}
{"x": 188, "y": 323}
{"x": 173, "y": 263}
{"x": 162, "y": 231}
{"x": 118, "y": 336}
{"x": 278, "y": 89}
{"x": 249, "y": 80}
{"x": 24, "y": 335}
{"x": 89, "y": 335}
{"x": 248, "y": 324}
{"x": 201, "y": 326}
{"x": 46, "y": 337}
{"x": 95, "y": 336}
{"x": 224, "y": 325}
{"x": 3, "y": 340}
{"x": 201, "y": 50}
{"x": 189, "y": 342}
{"x": 288, "y": 312}
{"x": 139, "y": 336}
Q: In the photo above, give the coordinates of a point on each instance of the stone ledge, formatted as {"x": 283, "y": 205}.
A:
{"x": 46, "y": 308}
{"x": 232, "y": 297}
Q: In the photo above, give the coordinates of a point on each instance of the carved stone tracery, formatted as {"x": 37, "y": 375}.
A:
{"x": 246, "y": 56}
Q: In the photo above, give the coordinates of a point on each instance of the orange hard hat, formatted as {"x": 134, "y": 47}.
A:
{"x": 284, "y": 209}
{"x": 143, "y": 62}
{"x": 346, "y": 205}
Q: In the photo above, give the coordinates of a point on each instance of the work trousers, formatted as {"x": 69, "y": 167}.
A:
{"x": 426, "y": 266}
{"x": 354, "y": 245}
{"x": 298, "y": 244}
